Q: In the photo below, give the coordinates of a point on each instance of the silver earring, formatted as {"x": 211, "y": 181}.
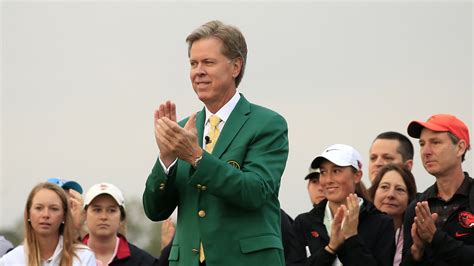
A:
{"x": 62, "y": 222}
{"x": 29, "y": 220}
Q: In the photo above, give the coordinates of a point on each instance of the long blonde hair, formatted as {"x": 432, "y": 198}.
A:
{"x": 66, "y": 229}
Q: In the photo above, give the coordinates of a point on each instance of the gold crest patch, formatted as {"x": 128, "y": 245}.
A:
{"x": 234, "y": 164}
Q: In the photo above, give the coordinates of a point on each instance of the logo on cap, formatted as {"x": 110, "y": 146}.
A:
{"x": 441, "y": 123}
{"x": 341, "y": 155}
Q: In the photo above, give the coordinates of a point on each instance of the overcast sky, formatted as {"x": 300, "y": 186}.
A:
{"x": 80, "y": 82}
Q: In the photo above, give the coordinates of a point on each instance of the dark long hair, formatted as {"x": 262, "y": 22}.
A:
{"x": 404, "y": 172}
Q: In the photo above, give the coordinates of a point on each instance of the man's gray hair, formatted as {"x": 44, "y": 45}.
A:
{"x": 233, "y": 42}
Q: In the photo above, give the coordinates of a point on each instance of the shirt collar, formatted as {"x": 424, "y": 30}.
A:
{"x": 225, "y": 111}
{"x": 57, "y": 252}
{"x": 123, "y": 249}
{"x": 465, "y": 186}
{"x": 328, "y": 218}
{"x": 463, "y": 190}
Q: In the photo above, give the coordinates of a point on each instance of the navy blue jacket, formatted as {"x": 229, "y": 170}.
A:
{"x": 129, "y": 255}
{"x": 373, "y": 245}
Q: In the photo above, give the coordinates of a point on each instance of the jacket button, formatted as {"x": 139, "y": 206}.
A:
{"x": 203, "y": 188}
{"x": 162, "y": 186}
{"x": 198, "y": 186}
{"x": 195, "y": 250}
{"x": 202, "y": 213}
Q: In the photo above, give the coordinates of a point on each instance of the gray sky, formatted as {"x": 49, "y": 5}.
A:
{"x": 80, "y": 81}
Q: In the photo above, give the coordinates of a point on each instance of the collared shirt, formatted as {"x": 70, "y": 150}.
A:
{"x": 117, "y": 242}
{"x": 397, "y": 259}
{"x": 17, "y": 256}
{"x": 223, "y": 114}
{"x": 445, "y": 208}
{"x": 328, "y": 220}
{"x": 126, "y": 253}
{"x": 453, "y": 241}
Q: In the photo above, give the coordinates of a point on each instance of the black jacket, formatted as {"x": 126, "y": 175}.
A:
{"x": 129, "y": 255}
{"x": 165, "y": 254}
{"x": 286, "y": 222}
{"x": 373, "y": 245}
{"x": 454, "y": 243}
{"x": 137, "y": 257}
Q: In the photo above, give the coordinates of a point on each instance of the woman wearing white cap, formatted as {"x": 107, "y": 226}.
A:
{"x": 105, "y": 218}
{"x": 344, "y": 229}
{"x": 49, "y": 232}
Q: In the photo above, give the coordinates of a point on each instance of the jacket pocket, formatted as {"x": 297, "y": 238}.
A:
{"x": 174, "y": 253}
{"x": 257, "y": 243}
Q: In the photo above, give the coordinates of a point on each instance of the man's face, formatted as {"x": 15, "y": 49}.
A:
{"x": 438, "y": 153}
{"x": 212, "y": 74}
{"x": 382, "y": 152}
{"x": 315, "y": 191}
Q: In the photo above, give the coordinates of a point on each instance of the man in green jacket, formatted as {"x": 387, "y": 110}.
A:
{"x": 221, "y": 166}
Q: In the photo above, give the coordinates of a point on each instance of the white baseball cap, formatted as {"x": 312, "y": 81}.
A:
{"x": 104, "y": 188}
{"x": 341, "y": 155}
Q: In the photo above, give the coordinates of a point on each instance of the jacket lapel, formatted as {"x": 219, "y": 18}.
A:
{"x": 200, "y": 117}
{"x": 236, "y": 120}
{"x": 318, "y": 214}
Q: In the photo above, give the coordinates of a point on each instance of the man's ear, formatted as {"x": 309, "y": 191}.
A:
{"x": 409, "y": 164}
{"x": 237, "y": 65}
{"x": 461, "y": 146}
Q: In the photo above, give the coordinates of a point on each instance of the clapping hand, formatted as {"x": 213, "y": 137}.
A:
{"x": 345, "y": 222}
{"x": 173, "y": 140}
{"x": 423, "y": 229}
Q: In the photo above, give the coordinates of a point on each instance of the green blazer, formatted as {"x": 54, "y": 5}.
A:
{"x": 230, "y": 201}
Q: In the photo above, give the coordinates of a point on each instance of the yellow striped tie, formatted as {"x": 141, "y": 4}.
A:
{"x": 213, "y": 134}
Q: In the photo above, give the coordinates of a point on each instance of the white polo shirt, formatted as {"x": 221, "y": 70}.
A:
{"x": 18, "y": 256}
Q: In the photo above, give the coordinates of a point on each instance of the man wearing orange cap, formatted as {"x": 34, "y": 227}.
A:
{"x": 439, "y": 228}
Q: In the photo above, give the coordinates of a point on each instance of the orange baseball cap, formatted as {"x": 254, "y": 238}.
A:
{"x": 441, "y": 123}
